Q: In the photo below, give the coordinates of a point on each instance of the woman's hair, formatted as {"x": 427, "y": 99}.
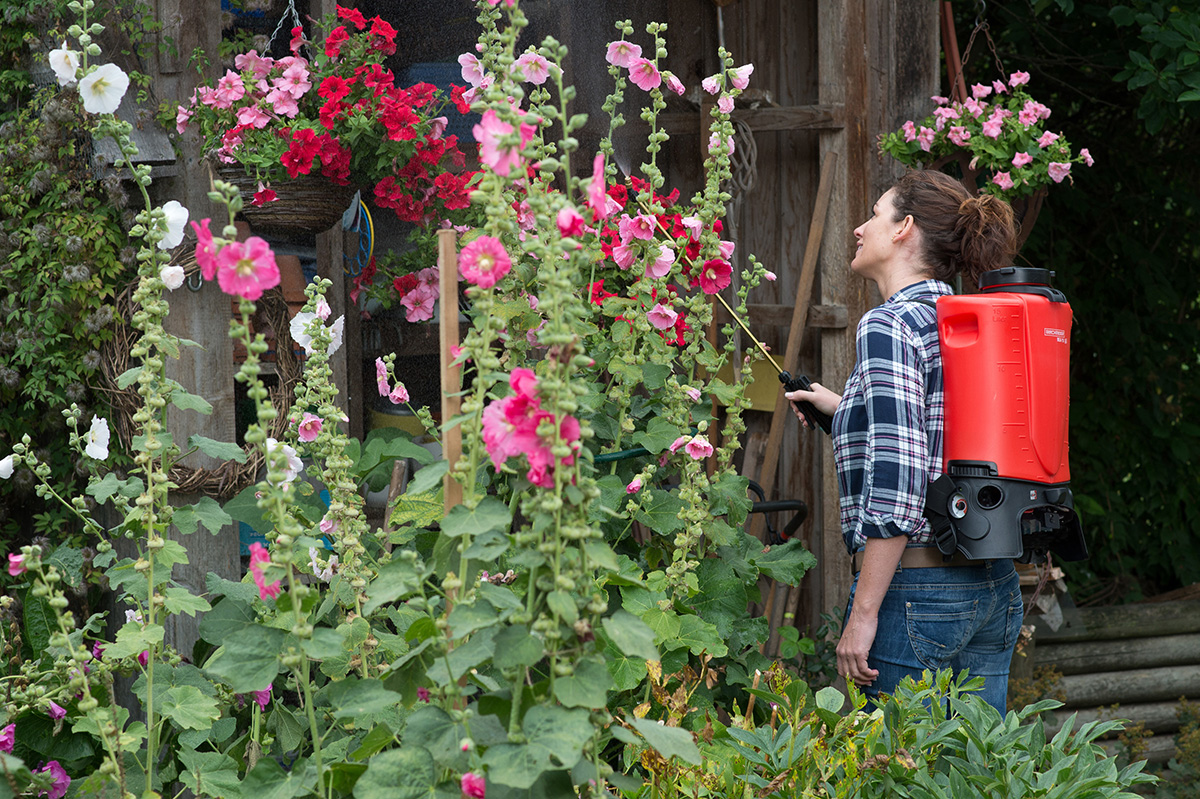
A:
{"x": 960, "y": 232}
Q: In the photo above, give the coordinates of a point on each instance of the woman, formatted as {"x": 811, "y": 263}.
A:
{"x": 909, "y": 609}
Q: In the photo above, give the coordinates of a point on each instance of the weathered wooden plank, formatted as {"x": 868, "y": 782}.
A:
{"x": 1140, "y": 685}
{"x": 759, "y": 314}
{"x": 762, "y": 120}
{"x": 451, "y": 374}
{"x": 1158, "y": 748}
{"x": 1083, "y": 657}
{"x": 1158, "y": 717}
{"x": 1128, "y": 621}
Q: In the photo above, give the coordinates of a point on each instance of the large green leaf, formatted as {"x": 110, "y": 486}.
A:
{"x": 358, "y": 698}
{"x": 587, "y": 687}
{"x": 517, "y": 765}
{"x": 787, "y": 562}
{"x": 490, "y": 514}
{"x": 396, "y": 580}
{"x": 660, "y": 513}
{"x": 180, "y": 600}
{"x": 723, "y": 600}
{"x": 631, "y": 635}
{"x": 226, "y": 618}
{"x": 210, "y": 774}
{"x": 268, "y": 780}
{"x": 699, "y": 636}
{"x": 658, "y": 435}
{"x": 564, "y": 732}
{"x": 406, "y": 773}
{"x": 516, "y": 647}
{"x": 248, "y": 660}
{"x": 668, "y": 741}
{"x": 204, "y": 511}
{"x": 221, "y": 450}
{"x": 40, "y": 623}
{"x": 190, "y": 709}
{"x": 133, "y": 639}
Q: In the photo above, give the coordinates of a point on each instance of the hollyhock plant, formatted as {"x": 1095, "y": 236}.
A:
{"x": 103, "y": 88}
{"x": 259, "y": 557}
{"x": 246, "y": 269}
{"x": 96, "y": 439}
{"x": 61, "y": 780}
{"x": 6, "y": 466}
{"x": 998, "y": 134}
{"x": 8, "y": 738}
{"x": 484, "y": 261}
{"x": 65, "y": 63}
{"x": 16, "y": 564}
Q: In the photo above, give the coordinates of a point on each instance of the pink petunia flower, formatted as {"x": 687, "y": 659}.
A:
{"x": 622, "y": 53}
{"x": 1087, "y": 157}
{"x": 910, "y": 130}
{"x": 715, "y": 276}
{"x": 247, "y": 269}
{"x": 661, "y": 316}
{"x": 925, "y": 138}
{"x": 1047, "y": 139}
{"x": 484, "y": 262}
{"x": 939, "y": 100}
{"x": 1021, "y": 159}
{"x": 309, "y": 428}
{"x": 974, "y": 106}
{"x": 182, "y": 115}
{"x": 999, "y": 87}
{"x": 740, "y": 76}
{"x": 1003, "y": 180}
{"x": 698, "y": 447}
{"x": 1018, "y": 79}
{"x": 980, "y": 90}
{"x": 993, "y": 127}
{"x": 959, "y": 135}
{"x": 419, "y": 302}
{"x": 1058, "y": 171}
{"x": 16, "y": 565}
{"x": 644, "y": 75}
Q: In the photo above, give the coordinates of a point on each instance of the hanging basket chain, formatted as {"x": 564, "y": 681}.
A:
{"x": 295, "y": 18}
{"x": 981, "y": 26}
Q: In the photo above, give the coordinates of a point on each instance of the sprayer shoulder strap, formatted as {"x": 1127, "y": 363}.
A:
{"x": 924, "y": 301}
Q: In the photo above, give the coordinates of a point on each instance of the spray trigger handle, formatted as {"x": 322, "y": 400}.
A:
{"x": 811, "y": 415}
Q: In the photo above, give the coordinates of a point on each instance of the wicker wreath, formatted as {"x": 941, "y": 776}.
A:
{"x": 230, "y": 477}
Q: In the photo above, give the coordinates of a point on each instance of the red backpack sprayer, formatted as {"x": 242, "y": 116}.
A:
{"x": 1004, "y": 491}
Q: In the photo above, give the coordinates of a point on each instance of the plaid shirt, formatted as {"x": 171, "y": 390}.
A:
{"x": 887, "y": 431}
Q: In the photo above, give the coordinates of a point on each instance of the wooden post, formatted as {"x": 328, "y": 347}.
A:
{"x": 451, "y": 373}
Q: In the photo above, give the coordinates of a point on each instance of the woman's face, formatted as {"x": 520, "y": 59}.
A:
{"x": 875, "y": 239}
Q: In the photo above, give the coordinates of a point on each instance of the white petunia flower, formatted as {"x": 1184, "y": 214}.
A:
{"x": 97, "y": 439}
{"x": 6, "y": 467}
{"x": 65, "y": 63}
{"x": 176, "y": 221}
{"x": 102, "y": 89}
{"x": 172, "y": 275}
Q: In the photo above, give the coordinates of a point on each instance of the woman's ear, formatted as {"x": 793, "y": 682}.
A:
{"x": 906, "y": 227}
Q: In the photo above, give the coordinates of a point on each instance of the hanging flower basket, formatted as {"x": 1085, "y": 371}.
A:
{"x": 308, "y": 205}
{"x": 1025, "y": 209}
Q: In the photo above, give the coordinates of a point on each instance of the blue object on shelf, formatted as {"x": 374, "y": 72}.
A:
{"x": 246, "y": 537}
{"x": 442, "y": 74}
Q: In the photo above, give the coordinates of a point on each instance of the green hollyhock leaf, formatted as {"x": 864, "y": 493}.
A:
{"x": 787, "y": 562}
{"x": 268, "y": 780}
{"x": 355, "y": 698}
{"x": 587, "y": 687}
{"x": 40, "y": 622}
{"x": 248, "y": 660}
{"x": 627, "y": 672}
{"x": 228, "y": 617}
{"x": 190, "y": 709}
{"x": 406, "y": 773}
{"x": 109, "y": 486}
{"x": 419, "y": 510}
{"x": 396, "y": 580}
{"x": 516, "y": 647}
{"x": 660, "y": 512}
{"x": 632, "y": 635}
{"x": 221, "y": 450}
{"x": 181, "y": 600}
{"x": 464, "y": 657}
{"x": 699, "y": 636}
{"x": 210, "y": 774}
{"x": 517, "y": 765}
{"x": 563, "y": 732}
{"x": 658, "y": 435}
{"x": 132, "y": 640}
{"x": 489, "y": 546}
{"x": 668, "y": 741}
{"x": 723, "y": 600}
{"x": 428, "y": 478}
{"x": 490, "y": 514}
{"x": 187, "y": 401}
{"x": 206, "y": 511}
{"x": 466, "y": 619}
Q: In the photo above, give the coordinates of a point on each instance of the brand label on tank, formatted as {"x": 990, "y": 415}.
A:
{"x": 1057, "y": 333}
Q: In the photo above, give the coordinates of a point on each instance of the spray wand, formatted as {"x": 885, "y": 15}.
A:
{"x": 811, "y": 415}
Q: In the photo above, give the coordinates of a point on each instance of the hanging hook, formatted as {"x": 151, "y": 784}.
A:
{"x": 980, "y": 12}
{"x": 195, "y": 281}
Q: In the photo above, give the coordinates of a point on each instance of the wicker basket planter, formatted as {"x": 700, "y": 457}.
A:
{"x": 306, "y": 206}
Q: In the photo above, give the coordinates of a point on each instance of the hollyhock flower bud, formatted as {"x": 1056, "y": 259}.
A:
{"x": 635, "y": 485}
{"x": 56, "y": 711}
{"x": 16, "y": 565}
{"x": 473, "y": 786}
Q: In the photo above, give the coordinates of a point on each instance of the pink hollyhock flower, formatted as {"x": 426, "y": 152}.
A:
{"x": 247, "y": 269}
{"x": 698, "y": 447}
{"x": 715, "y": 143}
{"x": 1021, "y": 159}
{"x": 679, "y": 442}
{"x": 206, "y": 250}
{"x": 535, "y": 68}
{"x": 661, "y": 317}
{"x": 1087, "y": 157}
{"x": 483, "y": 262}
{"x": 740, "y": 76}
{"x": 624, "y": 255}
{"x": 263, "y": 697}
{"x": 309, "y": 428}
{"x": 715, "y": 276}
{"x": 523, "y": 382}
{"x": 711, "y": 84}
{"x": 1058, "y": 171}
{"x": 143, "y": 658}
{"x": 693, "y": 393}
{"x": 622, "y": 53}
{"x": 910, "y": 130}
{"x": 328, "y": 526}
{"x": 674, "y": 84}
{"x": 8, "y": 738}
{"x": 597, "y": 198}
{"x": 570, "y": 222}
{"x": 293, "y": 465}
{"x": 1018, "y": 79}
{"x": 422, "y": 693}
{"x": 493, "y": 152}
{"x": 637, "y": 227}
{"x": 473, "y": 786}
{"x": 635, "y": 485}
{"x": 959, "y": 135}
{"x": 322, "y": 309}
{"x": 980, "y": 90}
{"x": 725, "y": 104}
{"x": 182, "y": 115}
{"x": 61, "y": 780}
{"x": 56, "y": 711}
{"x": 16, "y": 565}
{"x": 925, "y": 138}
{"x": 694, "y": 225}
{"x": 769, "y": 276}
{"x": 1047, "y": 139}
{"x": 726, "y": 249}
{"x": 258, "y": 558}
{"x": 1003, "y": 180}
{"x": 644, "y": 75}
{"x": 381, "y": 378}
{"x": 661, "y": 266}
{"x": 97, "y": 649}
{"x": 399, "y": 394}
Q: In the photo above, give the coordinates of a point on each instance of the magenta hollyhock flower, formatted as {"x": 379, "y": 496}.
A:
{"x": 535, "y": 68}
{"x": 637, "y": 227}
{"x": 422, "y": 693}
{"x": 309, "y": 428}
{"x": 570, "y": 222}
{"x": 490, "y": 132}
{"x": 61, "y": 780}
{"x": 8, "y": 738}
{"x": 693, "y": 393}
{"x": 698, "y": 447}
{"x": 16, "y": 565}
{"x": 661, "y": 266}
{"x": 97, "y": 649}
{"x": 679, "y": 442}
{"x": 484, "y": 262}
{"x": 143, "y": 658}
{"x": 635, "y": 485}
{"x": 1018, "y": 79}
{"x": 715, "y": 276}
{"x": 1021, "y": 159}
{"x": 1003, "y": 180}
{"x": 675, "y": 84}
{"x": 56, "y": 710}
{"x": 644, "y": 75}
{"x": 661, "y": 316}
{"x": 1047, "y": 139}
{"x": 524, "y": 383}
{"x": 247, "y": 269}
{"x": 622, "y": 53}
{"x": 1058, "y": 171}
{"x": 258, "y": 558}
{"x": 473, "y": 786}
{"x": 740, "y": 76}
{"x": 206, "y": 251}
{"x": 597, "y": 198}
{"x": 263, "y": 697}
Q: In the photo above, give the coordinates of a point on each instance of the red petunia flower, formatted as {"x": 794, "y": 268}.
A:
{"x": 353, "y": 16}
{"x": 383, "y": 36}
{"x": 334, "y": 88}
{"x": 334, "y": 41}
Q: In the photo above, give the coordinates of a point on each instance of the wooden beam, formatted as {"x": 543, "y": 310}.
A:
{"x": 451, "y": 374}
{"x": 768, "y": 314}
{"x": 1082, "y": 657}
{"x": 774, "y": 118}
{"x": 1126, "y": 621}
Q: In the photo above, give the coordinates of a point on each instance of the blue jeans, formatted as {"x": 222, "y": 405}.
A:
{"x": 957, "y": 617}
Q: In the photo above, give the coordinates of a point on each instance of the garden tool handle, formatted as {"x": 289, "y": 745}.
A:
{"x": 811, "y": 415}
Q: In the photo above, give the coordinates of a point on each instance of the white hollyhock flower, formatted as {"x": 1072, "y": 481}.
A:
{"x": 172, "y": 275}
{"x": 299, "y": 328}
{"x": 65, "y": 63}
{"x": 294, "y": 464}
{"x": 97, "y": 439}
{"x": 6, "y": 467}
{"x": 102, "y": 89}
{"x": 176, "y": 221}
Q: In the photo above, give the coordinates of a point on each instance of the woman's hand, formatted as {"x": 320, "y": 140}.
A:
{"x": 821, "y": 398}
{"x": 855, "y": 645}
{"x": 880, "y": 557}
